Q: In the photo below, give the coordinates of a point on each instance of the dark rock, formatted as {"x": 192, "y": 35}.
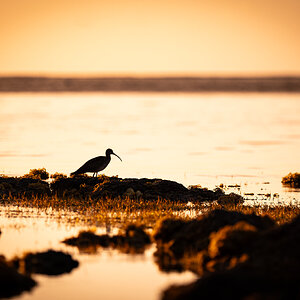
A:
{"x": 231, "y": 286}
{"x": 230, "y": 200}
{"x": 18, "y": 187}
{"x": 292, "y": 180}
{"x": 134, "y": 240}
{"x": 13, "y": 283}
{"x": 85, "y": 187}
{"x": 86, "y": 238}
{"x": 231, "y": 239}
{"x": 114, "y": 187}
{"x": 48, "y": 263}
{"x": 189, "y": 237}
{"x": 269, "y": 268}
{"x": 81, "y": 186}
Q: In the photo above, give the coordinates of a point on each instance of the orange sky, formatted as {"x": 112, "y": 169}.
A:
{"x": 150, "y": 36}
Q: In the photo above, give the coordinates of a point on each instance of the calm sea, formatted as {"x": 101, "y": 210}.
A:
{"x": 246, "y": 139}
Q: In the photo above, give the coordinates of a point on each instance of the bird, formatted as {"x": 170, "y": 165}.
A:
{"x": 96, "y": 164}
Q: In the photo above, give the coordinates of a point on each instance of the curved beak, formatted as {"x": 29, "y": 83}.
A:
{"x": 117, "y": 156}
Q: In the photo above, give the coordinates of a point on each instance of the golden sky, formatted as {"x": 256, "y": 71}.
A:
{"x": 149, "y": 36}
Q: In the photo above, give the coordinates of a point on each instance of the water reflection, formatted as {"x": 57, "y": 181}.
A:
{"x": 189, "y": 138}
{"x": 107, "y": 274}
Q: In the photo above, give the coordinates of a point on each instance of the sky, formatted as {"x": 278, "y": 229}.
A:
{"x": 150, "y": 37}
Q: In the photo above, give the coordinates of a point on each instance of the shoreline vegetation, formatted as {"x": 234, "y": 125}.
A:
{"x": 150, "y": 84}
{"x": 112, "y": 199}
{"x": 248, "y": 252}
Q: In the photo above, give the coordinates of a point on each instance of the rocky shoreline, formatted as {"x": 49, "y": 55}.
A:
{"x": 235, "y": 255}
{"x": 106, "y": 187}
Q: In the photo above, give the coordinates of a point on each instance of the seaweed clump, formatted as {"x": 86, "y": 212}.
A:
{"x": 50, "y": 263}
{"x": 104, "y": 187}
{"x": 40, "y": 174}
{"x": 292, "y": 180}
{"x": 20, "y": 186}
{"x": 245, "y": 256}
{"x": 184, "y": 244}
{"x": 134, "y": 240}
{"x": 114, "y": 187}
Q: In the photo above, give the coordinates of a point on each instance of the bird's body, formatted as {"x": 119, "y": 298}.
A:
{"x": 96, "y": 164}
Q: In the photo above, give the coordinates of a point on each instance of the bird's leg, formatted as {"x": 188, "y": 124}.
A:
{"x": 94, "y": 174}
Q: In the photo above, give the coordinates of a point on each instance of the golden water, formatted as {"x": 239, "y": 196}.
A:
{"x": 251, "y": 140}
{"x": 234, "y": 138}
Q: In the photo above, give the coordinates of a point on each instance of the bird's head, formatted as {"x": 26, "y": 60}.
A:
{"x": 109, "y": 152}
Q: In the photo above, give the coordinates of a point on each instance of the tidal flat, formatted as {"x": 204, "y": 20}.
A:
{"x": 111, "y": 237}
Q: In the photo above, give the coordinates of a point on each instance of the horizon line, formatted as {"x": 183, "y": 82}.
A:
{"x": 151, "y": 76}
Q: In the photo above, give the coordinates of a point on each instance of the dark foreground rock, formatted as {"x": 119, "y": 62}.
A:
{"x": 20, "y": 187}
{"x": 134, "y": 240}
{"x": 13, "y": 283}
{"x": 114, "y": 187}
{"x": 179, "y": 238}
{"x": 247, "y": 259}
{"x": 48, "y": 263}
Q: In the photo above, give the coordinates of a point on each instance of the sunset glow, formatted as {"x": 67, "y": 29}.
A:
{"x": 160, "y": 37}
{"x": 149, "y": 149}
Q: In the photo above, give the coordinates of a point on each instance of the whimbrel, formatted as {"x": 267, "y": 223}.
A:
{"x": 96, "y": 164}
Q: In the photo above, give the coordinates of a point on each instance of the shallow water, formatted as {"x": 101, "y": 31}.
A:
{"x": 247, "y": 139}
{"x": 105, "y": 274}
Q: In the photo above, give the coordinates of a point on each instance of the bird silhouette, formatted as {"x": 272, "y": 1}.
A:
{"x": 96, "y": 164}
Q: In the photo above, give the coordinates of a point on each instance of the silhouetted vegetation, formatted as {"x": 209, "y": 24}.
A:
{"x": 13, "y": 187}
{"x": 292, "y": 179}
{"x": 130, "y": 200}
{"x": 58, "y": 175}
{"x": 41, "y": 174}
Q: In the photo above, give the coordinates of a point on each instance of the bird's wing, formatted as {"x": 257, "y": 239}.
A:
{"x": 90, "y": 165}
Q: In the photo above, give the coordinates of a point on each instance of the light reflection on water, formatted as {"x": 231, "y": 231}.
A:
{"x": 249, "y": 140}
{"x": 106, "y": 274}
{"x": 204, "y": 139}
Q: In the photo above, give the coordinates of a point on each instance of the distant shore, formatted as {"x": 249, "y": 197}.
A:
{"x": 150, "y": 84}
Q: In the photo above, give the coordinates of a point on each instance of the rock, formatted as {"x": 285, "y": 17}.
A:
{"x": 85, "y": 187}
{"x": 114, "y": 187}
{"x": 49, "y": 263}
{"x": 19, "y": 187}
{"x": 189, "y": 237}
{"x": 12, "y": 282}
{"x": 292, "y": 180}
{"x": 134, "y": 240}
{"x": 231, "y": 199}
{"x": 86, "y": 241}
{"x": 231, "y": 239}
{"x": 270, "y": 269}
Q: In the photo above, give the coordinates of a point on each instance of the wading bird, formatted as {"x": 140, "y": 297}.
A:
{"x": 96, "y": 164}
